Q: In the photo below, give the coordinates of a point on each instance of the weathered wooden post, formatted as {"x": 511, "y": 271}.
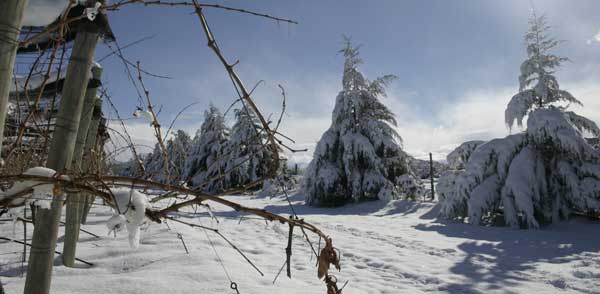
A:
{"x": 90, "y": 143}
{"x": 60, "y": 156}
{"x": 11, "y": 17}
{"x": 431, "y": 176}
{"x": 73, "y": 215}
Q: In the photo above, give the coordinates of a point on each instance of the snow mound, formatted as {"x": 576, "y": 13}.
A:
{"x": 42, "y": 194}
{"x": 130, "y": 213}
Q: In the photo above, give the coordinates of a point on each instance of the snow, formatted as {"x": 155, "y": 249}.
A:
{"x": 145, "y": 114}
{"x": 457, "y": 159}
{"x": 518, "y": 107}
{"x": 18, "y": 83}
{"x": 522, "y": 188}
{"x": 551, "y": 124}
{"x": 43, "y": 193}
{"x": 386, "y": 247}
{"x": 130, "y": 212}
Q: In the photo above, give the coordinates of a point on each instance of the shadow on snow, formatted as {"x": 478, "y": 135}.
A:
{"x": 513, "y": 254}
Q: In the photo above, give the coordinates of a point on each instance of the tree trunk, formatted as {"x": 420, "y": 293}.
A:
{"x": 90, "y": 143}
{"x": 431, "y": 176}
{"x": 11, "y": 16}
{"x": 73, "y": 215}
{"x": 60, "y": 156}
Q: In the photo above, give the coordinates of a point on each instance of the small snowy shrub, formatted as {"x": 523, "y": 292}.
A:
{"x": 410, "y": 187}
{"x": 540, "y": 175}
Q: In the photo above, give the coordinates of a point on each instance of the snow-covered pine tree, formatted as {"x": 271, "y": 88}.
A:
{"x": 457, "y": 161}
{"x": 205, "y": 160}
{"x": 155, "y": 164}
{"x": 177, "y": 149}
{"x": 359, "y": 157}
{"x": 542, "y": 174}
{"x": 458, "y": 158}
{"x": 248, "y": 158}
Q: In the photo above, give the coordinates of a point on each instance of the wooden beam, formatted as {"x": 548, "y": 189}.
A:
{"x": 60, "y": 156}
{"x": 11, "y": 17}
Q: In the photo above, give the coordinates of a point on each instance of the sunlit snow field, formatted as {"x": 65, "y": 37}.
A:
{"x": 395, "y": 247}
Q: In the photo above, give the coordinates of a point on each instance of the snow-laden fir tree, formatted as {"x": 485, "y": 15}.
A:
{"x": 247, "y": 155}
{"x": 359, "y": 157}
{"x": 457, "y": 161}
{"x": 458, "y": 158}
{"x": 540, "y": 175}
{"x": 155, "y": 163}
{"x": 205, "y": 159}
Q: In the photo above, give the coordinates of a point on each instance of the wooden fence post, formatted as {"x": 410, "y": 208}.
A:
{"x": 11, "y": 17}
{"x": 90, "y": 143}
{"x": 60, "y": 155}
{"x": 73, "y": 214}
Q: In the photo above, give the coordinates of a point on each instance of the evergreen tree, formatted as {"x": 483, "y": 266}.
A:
{"x": 205, "y": 160}
{"x": 130, "y": 168}
{"x": 248, "y": 158}
{"x": 359, "y": 157}
{"x": 537, "y": 176}
{"x": 155, "y": 164}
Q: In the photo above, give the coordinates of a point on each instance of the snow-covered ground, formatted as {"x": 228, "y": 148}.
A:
{"x": 398, "y": 247}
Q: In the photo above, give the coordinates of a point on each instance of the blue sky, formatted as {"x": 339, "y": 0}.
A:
{"x": 457, "y": 62}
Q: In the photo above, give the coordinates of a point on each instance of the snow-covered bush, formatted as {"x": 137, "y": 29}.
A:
{"x": 130, "y": 213}
{"x": 359, "y": 157}
{"x": 540, "y": 175}
{"x": 410, "y": 187}
{"x": 205, "y": 159}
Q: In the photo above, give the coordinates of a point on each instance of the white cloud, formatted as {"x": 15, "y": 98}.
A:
{"x": 141, "y": 133}
{"x": 479, "y": 115}
{"x": 597, "y": 37}
{"x": 587, "y": 92}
